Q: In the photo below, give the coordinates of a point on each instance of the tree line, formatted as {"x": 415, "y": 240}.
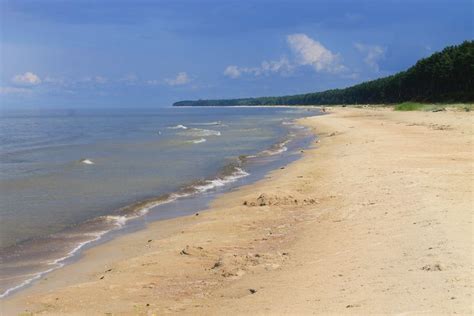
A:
{"x": 446, "y": 76}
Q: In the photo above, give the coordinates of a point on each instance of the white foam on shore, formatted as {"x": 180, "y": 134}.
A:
{"x": 219, "y": 182}
{"x": 277, "y": 151}
{"x": 280, "y": 148}
{"x": 26, "y": 282}
{"x": 120, "y": 220}
{"x": 57, "y": 263}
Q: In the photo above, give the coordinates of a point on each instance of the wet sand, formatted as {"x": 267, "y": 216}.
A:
{"x": 375, "y": 218}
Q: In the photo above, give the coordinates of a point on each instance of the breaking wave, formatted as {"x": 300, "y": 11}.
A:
{"x": 208, "y": 123}
{"x": 198, "y": 141}
{"x": 178, "y": 127}
{"x": 201, "y": 132}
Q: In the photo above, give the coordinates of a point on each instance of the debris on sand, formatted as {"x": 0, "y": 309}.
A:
{"x": 280, "y": 199}
{"x": 217, "y": 264}
{"x": 185, "y": 251}
{"x": 433, "y": 267}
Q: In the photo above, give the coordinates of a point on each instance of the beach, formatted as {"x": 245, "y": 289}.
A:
{"x": 375, "y": 217}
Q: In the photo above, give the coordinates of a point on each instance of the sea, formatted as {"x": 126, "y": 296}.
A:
{"x": 70, "y": 179}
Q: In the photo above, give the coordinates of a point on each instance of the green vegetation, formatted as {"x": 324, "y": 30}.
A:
{"x": 415, "y": 106}
{"x": 446, "y": 76}
{"x": 412, "y": 106}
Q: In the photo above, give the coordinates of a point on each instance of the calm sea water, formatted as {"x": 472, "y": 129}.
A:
{"x": 69, "y": 177}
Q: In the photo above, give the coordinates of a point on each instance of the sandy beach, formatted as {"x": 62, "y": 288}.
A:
{"x": 376, "y": 217}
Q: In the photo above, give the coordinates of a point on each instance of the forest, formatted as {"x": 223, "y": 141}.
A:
{"x": 444, "y": 77}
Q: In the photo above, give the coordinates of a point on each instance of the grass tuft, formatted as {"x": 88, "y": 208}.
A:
{"x": 411, "y": 106}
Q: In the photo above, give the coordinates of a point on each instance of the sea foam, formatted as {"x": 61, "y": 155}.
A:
{"x": 219, "y": 182}
{"x": 198, "y": 141}
{"x": 86, "y": 161}
{"x": 179, "y": 126}
{"x": 201, "y": 132}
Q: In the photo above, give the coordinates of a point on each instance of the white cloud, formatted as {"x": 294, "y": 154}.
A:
{"x": 373, "y": 53}
{"x": 14, "y": 90}
{"x": 94, "y": 79}
{"x": 275, "y": 66}
{"x": 266, "y": 67}
{"x": 153, "y": 82}
{"x": 28, "y": 78}
{"x": 232, "y": 71}
{"x": 308, "y": 53}
{"x": 181, "y": 79}
{"x": 99, "y": 79}
{"x": 311, "y": 52}
{"x": 129, "y": 79}
{"x": 351, "y": 75}
{"x": 54, "y": 81}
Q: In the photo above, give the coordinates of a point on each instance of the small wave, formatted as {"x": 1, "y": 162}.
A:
{"x": 119, "y": 221}
{"x": 293, "y": 125}
{"x": 86, "y": 161}
{"x": 208, "y": 123}
{"x": 179, "y": 126}
{"x": 198, "y": 141}
{"x": 201, "y": 132}
{"x": 275, "y": 150}
{"x": 95, "y": 236}
{"x": 219, "y": 182}
{"x": 279, "y": 150}
{"x": 206, "y": 132}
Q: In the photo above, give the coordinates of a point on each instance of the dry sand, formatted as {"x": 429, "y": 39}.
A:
{"x": 376, "y": 218}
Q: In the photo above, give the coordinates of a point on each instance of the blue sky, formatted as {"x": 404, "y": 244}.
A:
{"x": 82, "y": 53}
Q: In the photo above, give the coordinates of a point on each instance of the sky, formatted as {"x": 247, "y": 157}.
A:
{"x": 137, "y": 53}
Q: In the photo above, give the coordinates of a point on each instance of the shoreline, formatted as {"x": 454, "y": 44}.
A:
{"x": 195, "y": 196}
{"x": 334, "y": 232}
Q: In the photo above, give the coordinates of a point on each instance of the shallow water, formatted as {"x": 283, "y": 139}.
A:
{"x": 67, "y": 178}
